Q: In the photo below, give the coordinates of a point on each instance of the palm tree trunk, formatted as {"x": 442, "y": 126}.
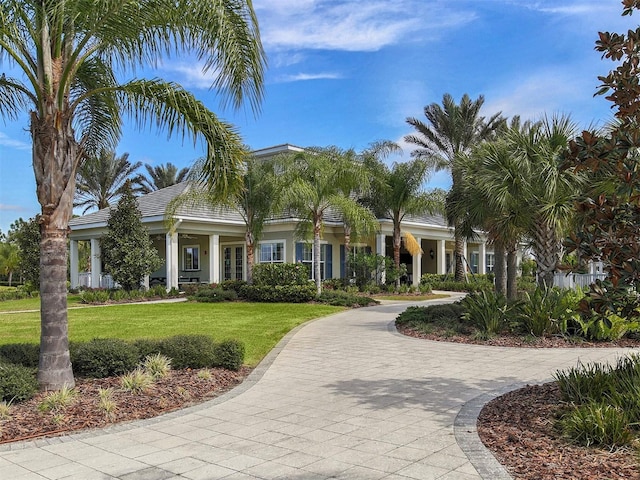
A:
{"x": 250, "y": 256}
{"x": 347, "y": 248}
{"x": 316, "y": 254}
{"x": 546, "y": 246}
{"x": 512, "y": 273}
{"x": 55, "y": 156}
{"x": 396, "y": 250}
{"x": 459, "y": 255}
{"x": 500, "y": 270}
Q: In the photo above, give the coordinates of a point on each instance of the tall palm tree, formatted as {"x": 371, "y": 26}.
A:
{"x": 552, "y": 190}
{"x": 255, "y": 202}
{"x": 314, "y": 181}
{"x": 72, "y": 56}
{"x": 449, "y": 131}
{"x": 101, "y": 179}
{"x": 161, "y": 176}
{"x": 398, "y": 192}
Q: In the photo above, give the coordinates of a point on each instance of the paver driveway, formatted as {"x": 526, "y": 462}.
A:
{"x": 344, "y": 397}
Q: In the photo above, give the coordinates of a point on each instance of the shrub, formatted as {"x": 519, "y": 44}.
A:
{"x": 604, "y": 326}
{"x": 279, "y": 293}
{"x": 486, "y": 311}
{"x": 544, "y": 311}
{"x": 156, "y": 291}
{"x": 448, "y": 313}
{"x": 189, "y": 351}
{"x": 214, "y": 295}
{"x": 146, "y": 347}
{"x": 344, "y": 299}
{"x": 597, "y": 424}
{"x": 104, "y": 357}
{"x": 229, "y": 354}
{"x": 25, "y": 354}
{"x": 280, "y": 274}
{"x": 17, "y": 383}
{"x": 58, "y": 400}
{"x": 94, "y": 296}
{"x": 157, "y": 365}
{"x": 136, "y": 381}
{"x": 235, "y": 285}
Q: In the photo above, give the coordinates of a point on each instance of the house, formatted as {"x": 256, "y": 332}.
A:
{"x": 207, "y": 245}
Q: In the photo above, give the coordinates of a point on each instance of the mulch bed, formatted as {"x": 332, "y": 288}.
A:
{"x": 518, "y": 427}
{"x": 181, "y": 388}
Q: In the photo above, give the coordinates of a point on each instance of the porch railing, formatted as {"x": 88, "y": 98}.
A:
{"x": 576, "y": 280}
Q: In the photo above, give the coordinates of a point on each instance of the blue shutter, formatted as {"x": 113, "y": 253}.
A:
{"x": 299, "y": 251}
{"x": 328, "y": 260}
{"x": 367, "y": 249}
{"x": 343, "y": 261}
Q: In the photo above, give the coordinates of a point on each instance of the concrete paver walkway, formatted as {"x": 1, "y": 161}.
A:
{"x": 344, "y": 397}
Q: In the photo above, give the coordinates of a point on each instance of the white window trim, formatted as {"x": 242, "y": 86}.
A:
{"x": 284, "y": 250}
{"x": 184, "y": 258}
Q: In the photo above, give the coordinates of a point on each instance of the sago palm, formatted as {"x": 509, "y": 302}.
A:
{"x": 64, "y": 63}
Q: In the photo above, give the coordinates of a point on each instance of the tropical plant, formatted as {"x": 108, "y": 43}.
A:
{"x": 449, "y": 131}
{"x": 161, "y": 176}
{"x": 486, "y": 311}
{"x": 100, "y": 180}
{"x": 26, "y": 235}
{"x": 71, "y": 56}
{"x": 254, "y": 202}
{"x": 127, "y": 250}
{"x": 9, "y": 260}
{"x": 397, "y": 192}
{"x": 313, "y": 182}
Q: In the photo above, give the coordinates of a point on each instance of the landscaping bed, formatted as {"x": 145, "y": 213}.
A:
{"x": 179, "y": 389}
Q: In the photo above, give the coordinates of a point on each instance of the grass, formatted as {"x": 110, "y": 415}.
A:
{"x": 412, "y": 298}
{"x": 258, "y": 325}
{"x": 34, "y": 304}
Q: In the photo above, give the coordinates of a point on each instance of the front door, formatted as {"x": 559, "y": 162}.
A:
{"x": 233, "y": 265}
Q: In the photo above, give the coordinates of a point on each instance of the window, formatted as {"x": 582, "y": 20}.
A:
{"x": 475, "y": 259}
{"x": 272, "y": 252}
{"x": 491, "y": 262}
{"x": 191, "y": 258}
{"x": 304, "y": 254}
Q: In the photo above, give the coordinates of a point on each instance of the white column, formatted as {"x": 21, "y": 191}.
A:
{"x": 214, "y": 258}
{"x": 482, "y": 256}
{"x": 441, "y": 256}
{"x": 381, "y": 249}
{"x": 171, "y": 242}
{"x": 145, "y": 282}
{"x": 73, "y": 263}
{"x": 96, "y": 263}
{"x": 417, "y": 266}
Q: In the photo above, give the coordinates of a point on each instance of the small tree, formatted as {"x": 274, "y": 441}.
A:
{"x": 127, "y": 250}
{"x": 26, "y": 235}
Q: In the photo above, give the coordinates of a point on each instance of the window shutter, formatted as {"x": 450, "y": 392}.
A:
{"x": 299, "y": 251}
{"x": 343, "y": 261}
{"x": 328, "y": 258}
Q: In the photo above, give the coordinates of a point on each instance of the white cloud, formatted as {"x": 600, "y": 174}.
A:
{"x": 12, "y": 208}
{"x": 309, "y": 76}
{"x": 190, "y": 75}
{"x": 12, "y": 143}
{"x": 352, "y": 25}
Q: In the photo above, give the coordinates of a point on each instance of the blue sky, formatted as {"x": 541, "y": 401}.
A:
{"x": 348, "y": 73}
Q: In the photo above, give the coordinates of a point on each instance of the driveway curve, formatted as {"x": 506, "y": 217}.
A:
{"x": 341, "y": 397}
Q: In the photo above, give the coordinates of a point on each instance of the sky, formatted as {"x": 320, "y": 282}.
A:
{"x": 349, "y": 73}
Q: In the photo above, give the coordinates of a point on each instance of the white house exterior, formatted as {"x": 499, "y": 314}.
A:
{"x": 207, "y": 245}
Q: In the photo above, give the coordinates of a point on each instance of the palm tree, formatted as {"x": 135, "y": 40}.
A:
{"x": 101, "y": 179}
{"x": 254, "y": 202}
{"x": 9, "y": 259}
{"x": 72, "y": 56}
{"x": 398, "y": 192}
{"x": 452, "y": 130}
{"x": 552, "y": 190}
{"x": 314, "y": 181}
{"x": 161, "y": 176}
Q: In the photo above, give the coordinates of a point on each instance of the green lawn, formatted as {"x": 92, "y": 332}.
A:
{"x": 33, "y": 304}
{"x": 259, "y": 325}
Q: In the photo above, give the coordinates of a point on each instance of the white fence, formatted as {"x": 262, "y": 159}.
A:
{"x": 576, "y": 280}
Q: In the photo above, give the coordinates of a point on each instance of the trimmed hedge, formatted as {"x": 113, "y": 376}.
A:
{"x": 279, "y": 293}
{"x": 147, "y": 346}
{"x": 104, "y": 357}
{"x": 280, "y": 274}
{"x": 17, "y": 382}
{"x": 344, "y": 299}
{"x": 25, "y": 354}
{"x": 214, "y": 295}
{"x": 229, "y": 354}
{"x": 189, "y": 351}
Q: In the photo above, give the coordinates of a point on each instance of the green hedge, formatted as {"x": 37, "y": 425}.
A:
{"x": 104, "y": 357}
{"x": 279, "y": 293}
{"x": 17, "y": 383}
{"x": 189, "y": 351}
{"x": 25, "y": 354}
{"x": 280, "y": 274}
